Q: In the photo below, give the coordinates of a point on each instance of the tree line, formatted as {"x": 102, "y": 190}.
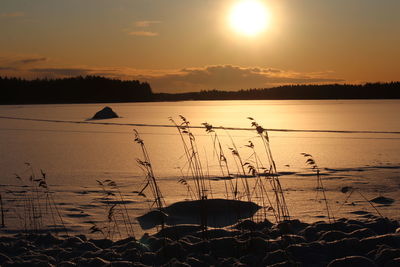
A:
{"x": 96, "y": 89}
{"x": 330, "y": 91}
{"x": 89, "y": 89}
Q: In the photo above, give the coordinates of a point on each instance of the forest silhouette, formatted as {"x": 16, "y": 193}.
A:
{"x": 96, "y": 89}
{"x": 89, "y": 89}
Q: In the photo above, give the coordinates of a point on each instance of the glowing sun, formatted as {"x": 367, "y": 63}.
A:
{"x": 249, "y": 17}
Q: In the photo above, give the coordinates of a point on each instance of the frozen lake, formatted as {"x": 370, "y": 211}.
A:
{"x": 74, "y": 156}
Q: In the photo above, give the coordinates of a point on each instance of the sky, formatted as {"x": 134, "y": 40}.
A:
{"x": 190, "y": 45}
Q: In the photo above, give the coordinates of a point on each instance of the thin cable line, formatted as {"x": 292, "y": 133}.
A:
{"x": 199, "y": 127}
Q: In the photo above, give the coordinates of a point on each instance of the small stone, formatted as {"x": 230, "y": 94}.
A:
{"x": 352, "y": 261}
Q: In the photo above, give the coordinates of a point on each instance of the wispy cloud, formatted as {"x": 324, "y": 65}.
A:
{"x": 31, "y": 60}
{"x": 146, "y": 23}
{"x": 143, "y": 28}
{"x": 18, "y": 61}
{"x": 12, "y": 15}
{"x": 144, "y": 33}
{"x": 69, "y": 72}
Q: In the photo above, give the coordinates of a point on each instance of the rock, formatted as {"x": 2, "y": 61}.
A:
{"x": 194, "y": 262}
{"x": 344, "y": 247}
{"x": 122, "y": 264}
{"x": 176, "y": 263}
{"x": 290, "y": 226}
{"x": 332, "y": 236}
{"x": 362, "y": 233}
{"x": 371, "y": 243}
{"x": 314, "y": 253}
{"x": 285, "y": 264}
{"x": 4, "y": 258}
{"x": 47, "y": 240}
{"x": 102, "y": 243}
{"x": 92, "y": 262}
{"x": 228, "y": 262}
{"x": 150, "y": 258}
{"x": 66, "y": 264}
{"x": 346, "y": 189}
{"x": 257, "y": 245}
{"x": 310, "y": 233}
{"x": 177, "y": 231}
{"x": 382, "y": 200}
{"x": 274, "y": 257}
{"x": 171, "y": 250}
{"x": 352, "y": 261}
{"x": 382, "y": 226}
{"x": 220, "y": 213}
{"x": 87, "y": 246}
{"x": 71, "y": 242}
{"x": 393, "y": 263}
{"x": 386, "y": 255}
{"x": 131, "y": 254}
{"x": 225, "y": 247}
{"x": 105, "y": 113}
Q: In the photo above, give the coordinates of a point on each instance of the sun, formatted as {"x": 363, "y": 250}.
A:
{"x": 249, "y": 17}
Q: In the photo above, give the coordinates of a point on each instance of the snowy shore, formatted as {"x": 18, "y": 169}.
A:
{"x": 345, "y": 242}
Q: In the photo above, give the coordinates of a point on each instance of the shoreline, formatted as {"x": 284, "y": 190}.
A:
{"x": 368, "y": 242}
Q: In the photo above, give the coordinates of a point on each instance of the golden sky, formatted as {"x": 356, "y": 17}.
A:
{"x": 189, "y": 45}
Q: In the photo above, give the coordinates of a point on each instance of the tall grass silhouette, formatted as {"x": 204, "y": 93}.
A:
{"x": 320, "y": 186}
{"x": 36, "y": 208}
{"x": 193, "y": 159}
{"x": 280, "y": 207}
{"x": 222, "y": 160}
{"x": 150, "y": 180}
{"x": 118, "y": 222}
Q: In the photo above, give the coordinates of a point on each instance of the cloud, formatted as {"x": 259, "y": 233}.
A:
{"x": 62, "y": 71}
{"x": 143, "y": 24}
{"x": 146, "y": 23}
{"x": 32, "y": 60}
{"x": 12, "y": 15}
{"x": 21, "y": 60}
{"x": 143, "y": 33}
{"x": 230, "y": 77}
{"x": 222, "y": 77}
{"x": 7, "y": 69}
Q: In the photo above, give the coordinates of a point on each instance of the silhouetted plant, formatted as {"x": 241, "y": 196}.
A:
{"x": 193, "y": 160}
{"x": 39, "y": 209}
{"x": 118, "y": 221}
{"x": 150, "y": 180}
{"x": 320, "y": 187}
{"x": 220, "y": 155}
{"x": 241, "y": 172}
{"x": 280, "y": 207}
{"x": 255, "y": 167}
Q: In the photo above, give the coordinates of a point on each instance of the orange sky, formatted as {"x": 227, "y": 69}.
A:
{"x": 181, "y": 45}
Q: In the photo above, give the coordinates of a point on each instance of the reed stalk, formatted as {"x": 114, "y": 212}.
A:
{"x": 281, "y": 208}
{"x": 320, "y": 187}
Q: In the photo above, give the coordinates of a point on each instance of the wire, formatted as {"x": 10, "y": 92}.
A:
{"x": 199, "y": 127}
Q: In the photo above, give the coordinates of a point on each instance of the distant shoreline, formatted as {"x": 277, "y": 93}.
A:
{"x": 97, "y": 90}
{"x": 191, "y": 100}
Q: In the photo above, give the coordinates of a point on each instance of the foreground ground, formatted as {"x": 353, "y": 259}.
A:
{"x": 345, "y": 242}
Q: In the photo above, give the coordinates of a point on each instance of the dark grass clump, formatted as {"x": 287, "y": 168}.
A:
{"x": 310, "y": 161}
{"x": 281, "y": 211}
{"x": 34, "y": 205}
{"x": 118, "y": 222}
{"x": 150, "y": 180}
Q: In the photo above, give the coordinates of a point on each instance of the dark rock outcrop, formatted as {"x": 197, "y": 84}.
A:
{"x": 105, "y": 113}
